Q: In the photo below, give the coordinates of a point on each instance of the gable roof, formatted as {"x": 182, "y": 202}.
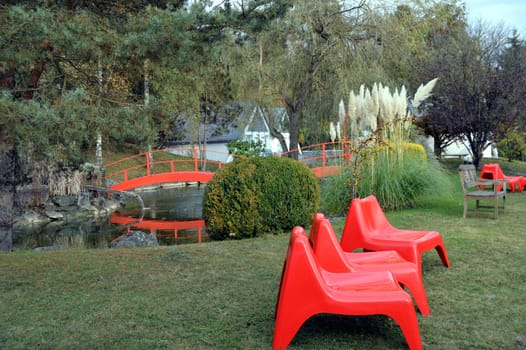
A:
{"x": 231, "y": 122}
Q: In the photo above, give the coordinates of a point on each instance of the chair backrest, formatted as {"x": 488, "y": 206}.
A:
{"x": 368, "y": 216}
{"x": 301, "y": 271}
{"x": 326, "y": 247}
{"x": 468, "y": 176}
{"x": 492, "y": 172}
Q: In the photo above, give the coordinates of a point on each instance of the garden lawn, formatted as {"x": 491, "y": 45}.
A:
{"x": 221, "y": 295}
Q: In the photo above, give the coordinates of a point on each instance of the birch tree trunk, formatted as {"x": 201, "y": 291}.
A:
{"x": 98, "y": 143}
{"x": 9, "y": 165}
{"x": 146, "y": 103}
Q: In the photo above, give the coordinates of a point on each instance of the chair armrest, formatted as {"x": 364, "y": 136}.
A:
{"x": 495, "y": 184}
{"x": 492, "y": 182}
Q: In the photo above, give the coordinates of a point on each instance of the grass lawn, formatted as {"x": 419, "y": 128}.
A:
{"x": 221, "y": 295}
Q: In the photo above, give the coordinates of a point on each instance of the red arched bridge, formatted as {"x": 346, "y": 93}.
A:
{"x": 188, "y": 165}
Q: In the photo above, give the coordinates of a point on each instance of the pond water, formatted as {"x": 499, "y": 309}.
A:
{"x": 174, "y": 214}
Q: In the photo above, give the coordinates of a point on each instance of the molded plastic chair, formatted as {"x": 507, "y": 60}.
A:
{"x": 367, "y": 227}
{"x": 494, "y": 172}
{"x": 332, "y": 258}
{"x": 307, "y": 289}
{"x": 481, "y": 190}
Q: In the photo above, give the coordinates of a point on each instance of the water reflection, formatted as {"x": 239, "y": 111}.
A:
{"x": 173, "y": 214}
{"x": 176, "y": 203}
{"x": 58, "y": 235}
{"x": 167, "y": 231}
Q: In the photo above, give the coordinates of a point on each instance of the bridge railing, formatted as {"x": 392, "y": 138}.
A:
{"x": 322, "y": 155}
{"x": 161, "y": 161}
{"x": 319, "y": 157}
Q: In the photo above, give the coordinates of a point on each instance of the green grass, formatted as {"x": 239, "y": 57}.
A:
{"x": 221, "y": 295}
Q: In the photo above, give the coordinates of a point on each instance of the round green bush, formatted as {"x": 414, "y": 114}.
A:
{"x": 253, "y": 196}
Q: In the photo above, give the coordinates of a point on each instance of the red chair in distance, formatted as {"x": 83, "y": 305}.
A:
{"x": 307, "y": 289}
{"x": 332, "y": 258}
{"x": 367, "y": 227}
{"x": 494, "y": 172}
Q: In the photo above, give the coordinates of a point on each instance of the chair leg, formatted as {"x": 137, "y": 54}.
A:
{"x": 441, "y": 250}
{"x": 286, "y": 327}
{"x": 409, "y": 325}
{"x": 465, "y": 207}
{"x": 419, "y": 294}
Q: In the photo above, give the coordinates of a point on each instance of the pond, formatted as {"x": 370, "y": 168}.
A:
{"x": 174, "y": 214}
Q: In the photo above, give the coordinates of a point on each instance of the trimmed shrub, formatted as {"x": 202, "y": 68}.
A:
{"x": 252, "y": 196}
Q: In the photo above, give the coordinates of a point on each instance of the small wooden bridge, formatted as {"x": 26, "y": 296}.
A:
{"x": 189, "y": 165}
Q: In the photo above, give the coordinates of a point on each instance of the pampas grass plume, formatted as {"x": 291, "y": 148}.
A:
{"x": 341, "y": 112}
{"x": 332, "y": 131}
{"x": 423, "y": 92}
{"x": 376, "y": 102}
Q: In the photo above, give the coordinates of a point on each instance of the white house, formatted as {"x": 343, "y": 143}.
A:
{"x": 257, "y": 128}
{"x": 239, "y": 121}
{"x": 459, "y": 149}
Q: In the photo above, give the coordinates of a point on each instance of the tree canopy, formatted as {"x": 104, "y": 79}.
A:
{"x": 133, "y": 71}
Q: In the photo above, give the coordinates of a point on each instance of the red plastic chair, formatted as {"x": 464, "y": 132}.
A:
{"x": 307, "y": 289}
{"x": 367, "y": 227}
{"x": 332, "y": 258}
{"x": 494, "y": 172}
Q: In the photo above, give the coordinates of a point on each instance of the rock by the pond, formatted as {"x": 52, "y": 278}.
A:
{"x": 135, "y": 239}
{"x": 65, "y": 201}
{"x": 83, "y": 200}
{"x": 54, "y": 215}
{"x": 31, "y": 216}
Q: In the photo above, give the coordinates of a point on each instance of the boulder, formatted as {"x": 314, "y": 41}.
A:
{"x": 135, "y": 239}
{"x": 64, "y": 201}
{"x": 31, "y": 217}
{"x": 54, "y": 215}
{"x": 83, "y": 200}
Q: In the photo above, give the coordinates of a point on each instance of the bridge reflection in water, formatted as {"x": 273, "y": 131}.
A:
{"x": 173, "y": 214}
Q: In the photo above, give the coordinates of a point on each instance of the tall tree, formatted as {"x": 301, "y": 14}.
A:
{"x": 511, "y": 73}
{"x": 298, "y": 57}
{"x": 467, "y": 104}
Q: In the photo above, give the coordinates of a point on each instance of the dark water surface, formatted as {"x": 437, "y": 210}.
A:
{"x": 173, "y": 214}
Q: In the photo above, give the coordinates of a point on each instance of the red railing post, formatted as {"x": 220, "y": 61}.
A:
{"x": 147, "y": 155}
{"x": 323, "y": 157}
{"x": 196, "y": 163}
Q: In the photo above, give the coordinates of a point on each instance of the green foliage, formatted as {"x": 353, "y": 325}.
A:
{"x": 246, "y": 148}
{"x": 58, "y": 134}
{"x": 255, "y": 195}
{"x": 399, "y": 178}
{"x": 109, "y": 52}
{"x": 512, "y": 146}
